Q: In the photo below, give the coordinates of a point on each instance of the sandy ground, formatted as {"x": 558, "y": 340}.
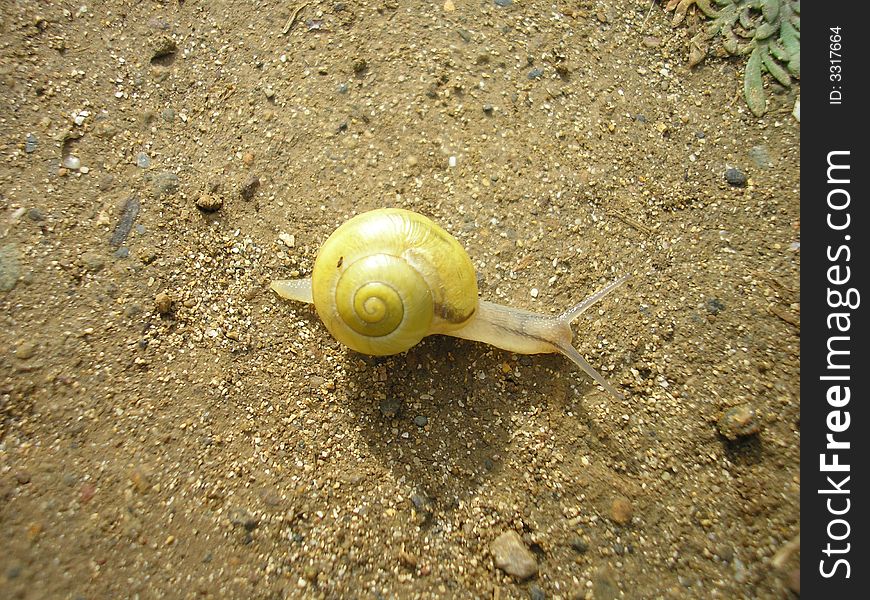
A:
{"x": 172, "y": 429}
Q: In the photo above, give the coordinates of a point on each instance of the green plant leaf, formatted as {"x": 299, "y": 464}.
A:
{"x": 790, "y": 38}
{"x": 765, "y": 30}
{"x": 753, "y": 86}
{"x": 794, "y": 65}
{"x": 780, "y": 74}
{"x": 770, "y": 10}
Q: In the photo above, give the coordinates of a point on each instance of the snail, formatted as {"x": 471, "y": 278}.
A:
{"x": 387, "y": 278}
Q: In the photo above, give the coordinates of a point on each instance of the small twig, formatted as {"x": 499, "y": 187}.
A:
{"x": 292, "y": 18}
{"x": 630, "y": 222}
{"x": 648, "y": 13}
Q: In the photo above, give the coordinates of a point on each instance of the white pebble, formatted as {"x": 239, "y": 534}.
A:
{"x": 451, "y": 161}
{"x": 72, "y": 162}
{"x": 535, "y": 292}
{"x": 287, "y": 239}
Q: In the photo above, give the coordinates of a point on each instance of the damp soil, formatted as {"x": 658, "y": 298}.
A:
{"x": 170, "y": 428}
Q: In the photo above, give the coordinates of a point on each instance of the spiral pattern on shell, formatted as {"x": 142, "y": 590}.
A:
{"x": 387, "y": 278}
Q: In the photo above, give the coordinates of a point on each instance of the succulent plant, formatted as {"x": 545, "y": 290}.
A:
{"x": 765, "y": 31}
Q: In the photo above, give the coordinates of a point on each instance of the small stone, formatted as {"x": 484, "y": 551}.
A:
{"x": 122, "y": 252}
{"x": 93, "y": 261}
{"x": 164, "y": 183}
{"x": 621, "y": 511}
{"x": 487, "y": 109}
{"x": 30, "y": 143}
{"x": 25, "y": 350}
{"x": 242, "y": 518}
{"x": 34, "y": 214}
{"x": 288, "y": 240}
{"x": 760, "y": 157}
{"x": 536, "y": 592}
{"x": 249, "y": 187}
{"x": 390, "y": 407}
{"x": 503, "y": 3}
{"x": 714, "y": 306}
{"x": 411, "y": 161}
{"x": 534, "y": 292}
{"x": 579, "y": 545}
{"x": 421, "y": 420}
{"x": 651, "y": 41}
{"x": 143, "y": 161}
{"x": 248, "y": 158}
{"x": 735, "y": 177}
{"x": 22, "y": 477}
{"x": 739, "y": 421}
{"x": 512, "y": 556}
{"x": 10, "y": 267}
{"x": 449, "y": 6}
{"x": 269, "y": 93}
{"x": 209, "y": 202}
{"x": 71, "y": 162}
{"x": 163, "y": 303}
{"x": 536, "y": 73}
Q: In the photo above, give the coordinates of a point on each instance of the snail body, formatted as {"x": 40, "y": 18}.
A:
{"x": 387, "y": 278}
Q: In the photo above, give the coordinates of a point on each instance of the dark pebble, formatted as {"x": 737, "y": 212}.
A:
{"x": 536, "y": 593}
{"x": 129, "y": 212}
{"x": 122, "y": 252}
{"x": 420, "y": 421}
{"x": 242, "y": 518}
{"x": 735, "y": 177}
{"x": 30, "y": 143}
{"x": 487, "y": 108}
{"x": 579, "y": 544}
{"x": 536, "y": 73}
{"x": 640, "y": 118}
{"x": 35, "y": 215}
{"x": 503, "y": 3}
{"x": 714, "y": 306}
{"x": 390, "y": 407}
{"x": 249, "y": 188}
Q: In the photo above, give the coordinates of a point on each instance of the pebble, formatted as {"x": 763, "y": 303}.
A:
{"x": 143, "y": 161}
{"x": 536, "y": 593}
{"x": 35, "y": 215}
{"x": 390, "y": 407}
{"x": 761, "y": 157}
{"x": 163, "y": 303}
{"x": 739, "y": 421}
{"x": 503, "y": 3}
{"x": 129, "y": 212}
{"x": 25, "y": 350}
{"x": 735, "y": 177}
{"x": 536, "y": 73}
{"x": 164, "y": 183}
{"x": 488, "y": 108}
{"x": 30, "y": 143}
{"x": 209, "y": 202}
{"x": 579, "y": 545}
{"x": 421, "y": 421}
{"x": 287, "y": 239}
{"x": 621, "y": 511}
{"x": 10, "y": 268}
{"x": 122, "y": 252}
{"x": 71, "y": 162}
{"x": 243, "y": 518}
{"x": 714, "y": 306}
{"x": 249, "y": 187}
{"x": 512, "y": 556}
{"x": 93, "y": 261}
